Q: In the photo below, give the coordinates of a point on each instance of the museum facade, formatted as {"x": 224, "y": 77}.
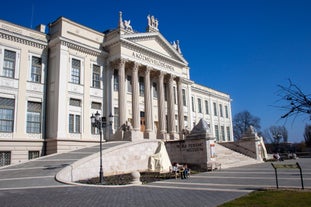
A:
{"x": 52, "y": 82}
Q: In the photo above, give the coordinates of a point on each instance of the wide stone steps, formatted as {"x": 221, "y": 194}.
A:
{"x": 229, "y": 158}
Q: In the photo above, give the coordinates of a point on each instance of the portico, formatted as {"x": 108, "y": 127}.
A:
{"x": 146, "y": 107}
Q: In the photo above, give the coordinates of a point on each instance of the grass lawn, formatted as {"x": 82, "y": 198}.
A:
{"x": 273, "y": 198}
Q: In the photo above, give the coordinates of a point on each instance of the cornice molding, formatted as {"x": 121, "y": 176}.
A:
{"x": 23, "y": 40}
{"x": 78, "y": 46}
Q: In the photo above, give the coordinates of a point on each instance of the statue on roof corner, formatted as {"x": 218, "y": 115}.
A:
{"x": 176, "y": 46}
{"x": 127, "y": 25}
{"x": 152, "y": 21}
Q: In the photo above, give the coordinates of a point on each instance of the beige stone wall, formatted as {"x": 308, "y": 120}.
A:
{"x": 121, "y": 159}
{"x": 195, "y": 152}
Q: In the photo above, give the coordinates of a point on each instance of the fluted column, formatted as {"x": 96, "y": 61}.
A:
{"x": 171, "y": 109}
{"x": 180, "y": 108}
{"x": 122, "y": 103}
{"x": 135, "y": 98}
{"x": 148, "y": 104}
{"x": 161, "y": 106}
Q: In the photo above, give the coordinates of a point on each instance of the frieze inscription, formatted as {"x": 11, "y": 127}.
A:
{"x": 152, "y": 61}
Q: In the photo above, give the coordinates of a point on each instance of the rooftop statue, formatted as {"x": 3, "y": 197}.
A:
{"x": 152, "y": 22}
{"x": 127, "y": 25}
{"x": 176, "y": 46}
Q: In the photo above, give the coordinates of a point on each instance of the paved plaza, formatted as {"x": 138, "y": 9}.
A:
{"x": 33, "y": 184}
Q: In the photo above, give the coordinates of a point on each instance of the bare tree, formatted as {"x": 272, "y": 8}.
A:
{"x": 297, "y": 102}
{"x": 242, "y": 121}
{"x": 307, "y": 135}
{"x": 276, "y": 135}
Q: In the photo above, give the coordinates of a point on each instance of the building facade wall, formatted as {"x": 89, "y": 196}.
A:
{"x": 23, "y": 70}
{"x": 139, "y": 78}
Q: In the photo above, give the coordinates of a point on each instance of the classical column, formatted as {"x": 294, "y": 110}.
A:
{"x": 122, "y": 103}
{"x": 161, "y": 106}
{"x": 171, "y": 108}
{"x": 148, "y": 102}
{"x": 135, "y": 98}
{"x": 180, "y": 108}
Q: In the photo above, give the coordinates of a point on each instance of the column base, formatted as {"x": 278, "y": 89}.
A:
{"x": 173, "y": 136}
{"x": 137, "y": 136}
{"x": 162, "y": 135}
{"x": 150, "y": 135}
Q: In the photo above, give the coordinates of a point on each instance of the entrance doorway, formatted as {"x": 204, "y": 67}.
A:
{"x": 142, "y": 121}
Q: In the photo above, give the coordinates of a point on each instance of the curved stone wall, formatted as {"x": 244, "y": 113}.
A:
{"x": 121, "y": 159}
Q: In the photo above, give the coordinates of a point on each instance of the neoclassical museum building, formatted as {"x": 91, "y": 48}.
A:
{"x": 53, "y": 79}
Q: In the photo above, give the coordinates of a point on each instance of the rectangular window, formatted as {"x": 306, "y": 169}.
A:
{"x": 116, "y": 118}
{"x": 215, "y": 109}
{"x": 96, "y": 76}
{"x": 216, "y": 132}
{"x": 33, "y": 117}
{"x": 228, "y": 134}
{"x": 33, "y": 155}
{"x": 226, "y": 111}
{"x": 5, "y": 158}
{"x": 192, "y": 101}
{"x": 223, "y": 136}
{"x": 74, "y": 123}
{"x": 184, "y": 97}
{"x": 165, "y": 91}
{"x": 75, "y": 71}
{"x": 199, "y": 105}
{"x": 75, "y": 102}
{"x": 155, "y": 90}
{"x": 129, "y": 84}
{"x": 115, "y": 80}
{"x": 175, "y": 97}
{"x": 6, "y": 114}
{"x": 220, "y": 110}
{"x": 96, "y": 105}
{"x": 206, "y": 107}
{"x": 9, "y": 63}
{"x": 36, "y": 65}
{"x": 141, "y": 86}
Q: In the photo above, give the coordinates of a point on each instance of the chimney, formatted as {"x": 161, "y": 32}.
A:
{"x": 41, "y": 28}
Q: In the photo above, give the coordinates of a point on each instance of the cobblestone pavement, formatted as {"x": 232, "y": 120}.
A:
{"x": 33, "y": 184}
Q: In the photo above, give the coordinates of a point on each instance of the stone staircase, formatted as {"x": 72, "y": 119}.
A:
{"x": 229, "y": 158}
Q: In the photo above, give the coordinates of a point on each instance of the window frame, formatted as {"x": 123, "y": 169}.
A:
{"x": 7, "y": 71}
{"x": 33, "y": 120}
{"x": 74, "y": 123}
{"x": 96, "y": 76}
{"x": 36, "y": 76}
{"x": 75, "y": 73}
{"x": 11, "y": 119}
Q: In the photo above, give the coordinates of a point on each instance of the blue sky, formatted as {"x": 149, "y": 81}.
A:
{"x": 241, "y": 47}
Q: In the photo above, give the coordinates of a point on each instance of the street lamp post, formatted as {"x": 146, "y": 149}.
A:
{"x": 100, "y": 123}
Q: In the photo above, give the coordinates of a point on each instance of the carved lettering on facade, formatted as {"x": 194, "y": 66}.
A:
{"x": 153, "y": 61}
{"x": 191, "y": 147}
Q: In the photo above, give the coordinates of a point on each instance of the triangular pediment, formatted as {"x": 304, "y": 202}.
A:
{"x": 156, "y": 43}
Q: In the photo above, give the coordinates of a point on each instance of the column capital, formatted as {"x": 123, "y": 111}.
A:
{"x": 148, "y": 69}
{"x": 136, "y": 65}
{"x": 171, "y": 79}
{"x": 161, "y": 74}
{"x": 118, "y": 63}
